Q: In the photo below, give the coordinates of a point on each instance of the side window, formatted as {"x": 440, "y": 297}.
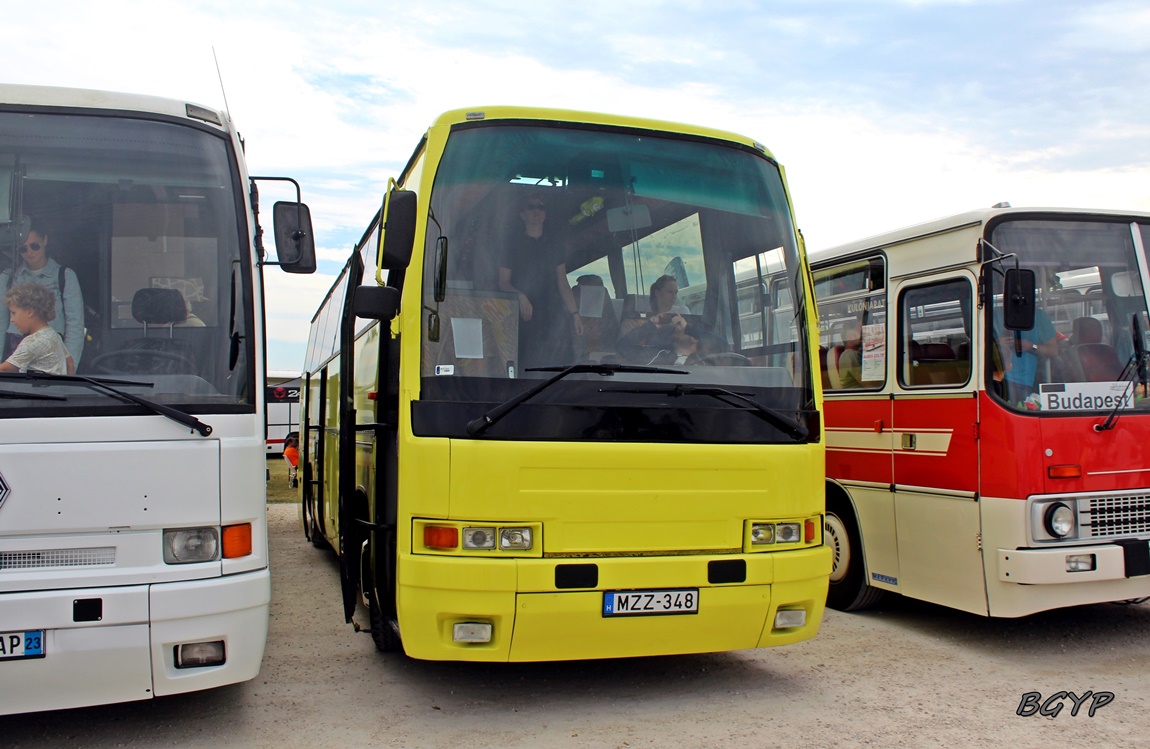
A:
{"x": 852, "y": 324}
{"x": 934, "y": 334}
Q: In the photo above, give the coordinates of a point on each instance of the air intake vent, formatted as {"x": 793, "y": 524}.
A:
{"x": 104, "y": 556}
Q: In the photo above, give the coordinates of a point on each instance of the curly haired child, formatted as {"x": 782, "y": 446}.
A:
{"x": 31, "y": 307}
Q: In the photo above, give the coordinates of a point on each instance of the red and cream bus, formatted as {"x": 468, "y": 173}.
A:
{"x": 986, "y": 441}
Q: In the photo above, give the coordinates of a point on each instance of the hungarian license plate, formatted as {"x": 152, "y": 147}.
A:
{"x": 15, "y": 645}
{"x": 650, "y": 602}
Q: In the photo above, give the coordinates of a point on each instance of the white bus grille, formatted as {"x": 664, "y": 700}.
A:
{"x": 28, "y": 560}
{"x": 1115, "y": 516}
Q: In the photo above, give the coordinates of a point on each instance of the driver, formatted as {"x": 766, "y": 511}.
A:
{"x": 667, "y": 338}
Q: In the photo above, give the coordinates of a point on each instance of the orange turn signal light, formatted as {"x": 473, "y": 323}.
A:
{"x": 440, "y": 537}
{"x": 809, "y": 531}
{"x": 237, "y": 540}
{"x": 1068, "y": 471}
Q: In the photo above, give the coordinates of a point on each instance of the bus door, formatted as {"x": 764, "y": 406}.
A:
{"x": 935, "y": 422}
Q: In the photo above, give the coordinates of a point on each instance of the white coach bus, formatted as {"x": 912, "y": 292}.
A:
{"x": 133, "y": 542}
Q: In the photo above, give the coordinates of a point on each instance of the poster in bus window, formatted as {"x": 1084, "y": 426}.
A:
{"x": 874, "y": 352}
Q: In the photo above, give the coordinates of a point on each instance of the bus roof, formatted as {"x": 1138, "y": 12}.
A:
{"x": 948, "y": 223}
{"x": 478, "y": 114}
{"x": 55, "y": 96}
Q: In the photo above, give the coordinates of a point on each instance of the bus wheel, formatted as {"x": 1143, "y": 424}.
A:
{"x": 384, "y": 629}
{"x": 312, "y": 529}
{"x": 848, "y": 588}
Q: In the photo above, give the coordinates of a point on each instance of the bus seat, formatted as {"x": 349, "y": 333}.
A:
{"x": 1089, "y": 357}
{"x": 1085, "y": 330}
{"x": 600, "y": 326}
{"x": 157, "y": 354}
{"x": 1099, "y": 362}
{"x": 834, "y": 379}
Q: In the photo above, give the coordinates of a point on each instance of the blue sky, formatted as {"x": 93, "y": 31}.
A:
{"x": 884, "y": 113}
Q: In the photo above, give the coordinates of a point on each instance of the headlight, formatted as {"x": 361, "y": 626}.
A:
{"x": 1059, "y": 520}
{"x": 789, "y": 533}
{"x": 515, "y": 539}
{"x": 762, "y": 533}
{"x": 479, "y": 538}
{"x": 190, "y": 545}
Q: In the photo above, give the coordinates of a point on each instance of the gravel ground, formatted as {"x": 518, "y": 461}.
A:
{"x": 905, "y": 674}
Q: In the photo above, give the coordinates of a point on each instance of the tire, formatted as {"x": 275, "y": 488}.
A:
{"x": 848, "y": 589}
{"x": 311, "y": 528}
{"x": 384, "y": 629}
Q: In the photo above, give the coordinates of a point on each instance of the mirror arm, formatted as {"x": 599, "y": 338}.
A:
{"x": 297, "y": 234}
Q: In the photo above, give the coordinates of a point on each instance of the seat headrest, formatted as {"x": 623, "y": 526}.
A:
{"x": 159, "y": 306}
{"x": 1086, "y": 330}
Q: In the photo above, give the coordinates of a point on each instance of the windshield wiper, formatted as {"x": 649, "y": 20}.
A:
{"x": 780, "y": 420}
{"x": 110, "y": 386}
{"x": 10, "y": 395}
{"x": 478, "y": 426}
{"x": 1137, "y": 366}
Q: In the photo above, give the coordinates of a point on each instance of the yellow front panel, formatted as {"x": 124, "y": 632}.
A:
{"x": 532, "y": 620}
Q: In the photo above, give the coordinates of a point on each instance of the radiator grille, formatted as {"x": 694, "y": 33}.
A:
{"x": 1115, "y": 516}
{"x": 104, "y": 556}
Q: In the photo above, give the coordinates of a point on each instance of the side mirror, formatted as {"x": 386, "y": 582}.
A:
{"x": 397, "y": 237}
{"x": 1018, "y": 299}
{"x": 295, "y": 243}
{"x": 376, "y": 302}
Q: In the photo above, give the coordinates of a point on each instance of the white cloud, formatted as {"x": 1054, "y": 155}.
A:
{"x": 338, "y": 96}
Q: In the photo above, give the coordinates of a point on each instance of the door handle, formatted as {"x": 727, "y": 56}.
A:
{"x": 909, "y": 441}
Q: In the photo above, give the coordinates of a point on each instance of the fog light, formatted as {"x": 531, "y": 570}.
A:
{"x": 515, "y": 539}
{"x": 790, "y": 618}
{"x": 200, "y": 654}
{"x": 788, "y": 533}
{"x": 471, "y": 632}
{"x": 762, "y": 533}
{"x": 1081, "y": 563}
{"x": 479, "y": 538}
{"x": 190, "y": 545}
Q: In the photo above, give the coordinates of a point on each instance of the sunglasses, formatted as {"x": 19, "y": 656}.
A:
{"x": 33, "y": 246}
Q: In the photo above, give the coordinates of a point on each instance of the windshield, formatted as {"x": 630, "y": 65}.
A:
{"x": 559, "y": 246}
{"x": 1079, "y": 354}
{"x": 131, "y": 226}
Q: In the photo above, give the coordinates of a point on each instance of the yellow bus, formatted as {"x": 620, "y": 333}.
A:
{"x": 522, "y": 441}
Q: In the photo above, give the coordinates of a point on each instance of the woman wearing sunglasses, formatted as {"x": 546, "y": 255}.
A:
{"x": 34, "y": 264}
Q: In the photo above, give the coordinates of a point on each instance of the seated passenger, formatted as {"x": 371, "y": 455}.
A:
{"x": 31, "y": 307}
{"x": 850, "y": 360}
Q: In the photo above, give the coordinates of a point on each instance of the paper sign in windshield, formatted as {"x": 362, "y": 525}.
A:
{"x": 1086, "y": 396}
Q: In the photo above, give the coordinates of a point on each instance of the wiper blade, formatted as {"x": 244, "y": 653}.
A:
{"x": 779, "y": 419}
{"x": 111, "y": 387}
{"x": 10, "y": 395}
{"x": 476, "y": 427}
{"x": 1137, "y": 367}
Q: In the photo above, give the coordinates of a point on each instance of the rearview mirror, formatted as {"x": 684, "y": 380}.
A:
{"x": 295, "y": 243}
{"x": 1018, "y": 299}
{"x": 376, "y": 302}
{"x": 397, "y": 237}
